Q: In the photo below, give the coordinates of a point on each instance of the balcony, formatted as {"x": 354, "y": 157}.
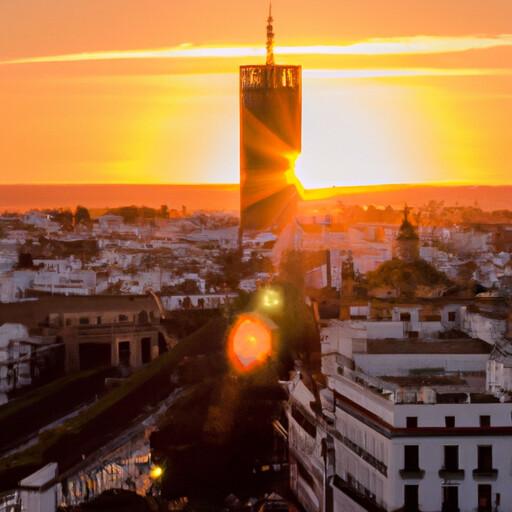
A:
{"x": 412, "y": 473}
{"x": 359, "y": 494}
{"x": 485, "y": 474}
{"x": 451, "y": 474}
{"x": 98, "y": 330}
{"x": 361, "y": 452}
{"x": 448, "y": 507}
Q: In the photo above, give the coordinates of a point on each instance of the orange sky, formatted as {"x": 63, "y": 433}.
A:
{"x": 147, "y": 92}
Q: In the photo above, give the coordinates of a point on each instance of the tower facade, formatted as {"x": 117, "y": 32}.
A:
{"x": 407, "y": 244}
{"x": 270, "y": 140}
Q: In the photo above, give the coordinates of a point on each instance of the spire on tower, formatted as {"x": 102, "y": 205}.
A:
{"x": 270, "y": 37}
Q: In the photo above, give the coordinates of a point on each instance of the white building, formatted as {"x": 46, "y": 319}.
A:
{"x": 17, "y": 349}
{"x": 207, "y": 301}
{"x": 13, "y": 285}
{"x": 399, "y": 423}
{"x": 226, "y": 238}
{"x": 79, "y": 282}
{"x": 58, "y": 265}
{"x": 41, "y": 220}
{"x": 110, "y": 223}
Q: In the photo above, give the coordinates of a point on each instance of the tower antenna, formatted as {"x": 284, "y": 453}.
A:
{"x": 270, "y": 37}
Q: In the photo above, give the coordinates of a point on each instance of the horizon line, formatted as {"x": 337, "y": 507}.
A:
{"x": 237, "y": 185}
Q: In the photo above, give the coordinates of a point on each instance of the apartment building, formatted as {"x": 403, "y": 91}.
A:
{"x": 404, "y": 416}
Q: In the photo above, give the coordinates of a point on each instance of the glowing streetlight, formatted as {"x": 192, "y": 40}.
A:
{"x": 156, "y": 472}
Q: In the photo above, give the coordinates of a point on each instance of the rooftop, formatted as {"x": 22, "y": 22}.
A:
{"x": 455, "y": 346}
{"x": 34, "y": 312}
{"x": 426, "y": 380}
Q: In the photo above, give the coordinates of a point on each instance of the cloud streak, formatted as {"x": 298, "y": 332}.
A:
{"x": 404, "y": 72}
{"x": 417, "y": 45}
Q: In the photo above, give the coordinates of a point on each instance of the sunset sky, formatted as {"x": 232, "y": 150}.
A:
{"x": 131, "y": 91}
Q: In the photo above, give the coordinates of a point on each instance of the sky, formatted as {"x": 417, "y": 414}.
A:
{"x": 124, "y": 91}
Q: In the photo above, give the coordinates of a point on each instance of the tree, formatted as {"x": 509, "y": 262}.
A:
{"x": 405, "y": 277}
{"x": 82, "y": 215}
{"x": 164, "y": 211}
{"x": 292, "y": 269}
{"x": 63, "y": 217}
{"x": 25, "y": 260}
{"x": 466, "y": 271}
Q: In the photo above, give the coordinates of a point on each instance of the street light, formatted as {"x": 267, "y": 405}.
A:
{"x": 156, "y": 472}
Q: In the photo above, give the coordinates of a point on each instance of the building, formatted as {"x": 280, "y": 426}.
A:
{"x": 407, "y": 246}
{"x": 95, "y": 331}
{"x": 77, "y": 282}
{"x": 270, "y": 140}
{"x": 22, "y": 357}
{"x": 110, "y": 223}
{"x": 206, "y": 301}
{"x": 410, "y": 413}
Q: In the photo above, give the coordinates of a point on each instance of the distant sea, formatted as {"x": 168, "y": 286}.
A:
{"x": 194, "y": 197}
{"x": 226, "y": 197}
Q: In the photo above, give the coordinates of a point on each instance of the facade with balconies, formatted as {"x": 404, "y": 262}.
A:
{"x": 414, "y": 424}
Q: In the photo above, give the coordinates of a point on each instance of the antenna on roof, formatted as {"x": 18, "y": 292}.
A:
{"x": 270, "y": 37}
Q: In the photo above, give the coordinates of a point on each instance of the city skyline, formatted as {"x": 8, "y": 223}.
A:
{"x": 412, "y": 94}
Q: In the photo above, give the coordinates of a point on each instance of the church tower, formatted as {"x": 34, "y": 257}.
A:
{"x": 407, "y": 245}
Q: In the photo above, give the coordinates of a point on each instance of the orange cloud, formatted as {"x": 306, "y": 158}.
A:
{"x": 416, "y": 45}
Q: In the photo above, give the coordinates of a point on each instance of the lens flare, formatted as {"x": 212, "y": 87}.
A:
{"x": 249, "y": 342}
{"x": 270, "y": 299}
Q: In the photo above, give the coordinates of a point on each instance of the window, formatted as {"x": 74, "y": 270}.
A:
{"x": 450, "y": 499}
{"x": 484, "y": 498}
{"x": 124, "y": 353}
{"x": 485, "y": 421}
{"x": 410, "y": 498}
{"x": 452, "y": 316}
{"x": 98, "y": 320}
{"x": 123, "y": 318}
{"x": 449, "y": 421}
{"x": 485, "y": 458}
{"x": 405, "y": 317}
{"x": 411, "y": 458}
{"x": 145, "y": 350}
{"x": 305, "y": 475}
{"x": 451, "y": 458}
{"x": 411, "y": 421}
{"x": 304, "y": 422}
{"x": 83, "y": 320}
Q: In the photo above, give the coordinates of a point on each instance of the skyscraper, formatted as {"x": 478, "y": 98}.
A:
{"x": 270, "y": 140}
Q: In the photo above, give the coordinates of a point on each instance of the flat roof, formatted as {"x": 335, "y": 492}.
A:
{"x": 456, "y": 346}
{"x": 33, "y": 312}
{"x": 425, "y": 380}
